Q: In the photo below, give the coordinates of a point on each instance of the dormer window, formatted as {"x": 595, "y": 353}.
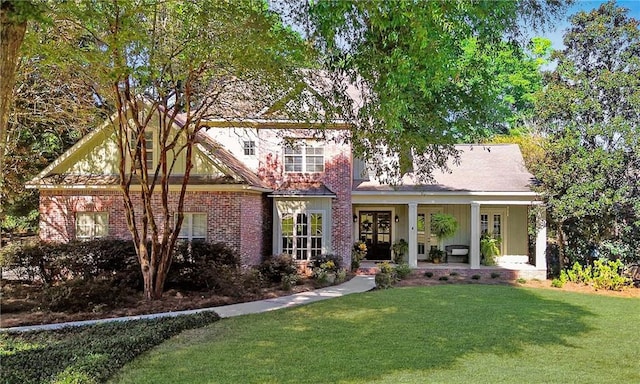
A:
{"x": 304, "y": 158}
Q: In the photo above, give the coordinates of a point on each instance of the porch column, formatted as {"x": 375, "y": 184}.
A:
{"x": 413, "y": 235}
{"x": 474, "y": 257}
{"x": 541, "y": 239}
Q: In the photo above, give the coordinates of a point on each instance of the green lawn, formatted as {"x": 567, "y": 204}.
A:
{"x": 447, "y": 333}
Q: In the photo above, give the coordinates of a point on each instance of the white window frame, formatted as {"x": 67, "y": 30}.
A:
{"x": 249, "y": 147}
{"x": 306, "y": 252}
{"x": 150, "y": 138}
{"x": 491, "y": 213}
{"x": 93, "y": 225}
{"x": 309, "y": 162}
{"x": 187, "y": 226}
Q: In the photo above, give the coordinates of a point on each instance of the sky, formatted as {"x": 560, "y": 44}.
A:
{"x": 555, "y": 35}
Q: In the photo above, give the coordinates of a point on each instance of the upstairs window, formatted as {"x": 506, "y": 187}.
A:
{"x": 304, "y": 158}
{"x": 249, "y": 148}
{"x": 148, "y": 152}
{"x": 92, "y": 225}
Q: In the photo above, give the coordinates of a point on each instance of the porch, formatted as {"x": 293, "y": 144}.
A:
{"x": 506, "y": 270}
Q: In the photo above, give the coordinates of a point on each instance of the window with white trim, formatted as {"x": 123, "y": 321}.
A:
{"x": 194, "y": 226}
{"x": 303, "y": 158}
{"x": 148, "y": 152}
{"x": 302, "y": 234}
{"x": 249, "y": 148}
{"x": 91, "y": 225}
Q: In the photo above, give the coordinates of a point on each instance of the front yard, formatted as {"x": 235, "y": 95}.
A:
{"x": 444, "y": 333}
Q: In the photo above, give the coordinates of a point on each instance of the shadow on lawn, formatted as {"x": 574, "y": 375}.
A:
{"x": 363, "y": 337}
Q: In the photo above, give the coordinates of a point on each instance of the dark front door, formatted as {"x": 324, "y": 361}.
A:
{"x": 375, "y": 231}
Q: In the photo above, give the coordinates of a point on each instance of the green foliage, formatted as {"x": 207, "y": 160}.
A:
{"x": 385, "y": 267}
{"x": 428, "y": 274}
{"x": 489, "y": 248}
{"x": 557, "y": 283}
{"x": 275, "y": 267}
{"x": 201, "y": 265}
{"x": 288, "y": 281}
{"x": 87, "y": 354}
{"x": 521, "y": 280}
{"x": 329, "y": 262}
{"x": 400, "y": 248}
{"x": 51, "y": 262}
{"x": 603, "y": 274}
{"x": 443, "y": 225}
{"x": 429, "y": 73}
{"x": 436, "y": 255}
{"x": 588, "y": 112}
{"x": 495, "y": 275}
{"x": 454, "y": 274}
{"x": 443, "y": 278}
{"x": 402, "y": 270}
{"x": 358, "y": 253}
{"x": 475, "y": 277}
{"x": 384, "y": 280}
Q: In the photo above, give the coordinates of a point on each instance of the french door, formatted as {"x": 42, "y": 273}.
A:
{"x": 492, "y": 224}
{"x": 426, "y": 239}
{"x": 375, "y": 232}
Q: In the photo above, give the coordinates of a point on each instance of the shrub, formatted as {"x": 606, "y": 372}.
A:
{"x": 341, "y": 276}
{"x": 288, "y": 281}
{"x": 454, "y": 274}
{"x": 475, "y": 277}
{"x": 443, "y": 278}
{"x": 604, "y": 274}
{"x": 385, "y": 267}
{"x": 557, "y": 283}
{"x": 80, "y": 295}
{"x": 94, "y": 353}
{"x": 495, "y": 275}
{"x": 199, "y": 265}
{"x": 330, "y": 262}
{"x": 428, "y": 274}
{"x": 402, "y": 270}
{"x": 274, "y": 268}
{"x": 521, "y": 280}
{"x": 607, "y": 274}
{"x": 384, "y": 280}
{"x": 51, "y": 262}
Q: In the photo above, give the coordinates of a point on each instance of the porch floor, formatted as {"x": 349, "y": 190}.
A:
{"x": 514, "y": 270}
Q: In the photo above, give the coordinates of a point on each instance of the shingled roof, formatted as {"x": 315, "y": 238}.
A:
{"x": 482, "y": 168}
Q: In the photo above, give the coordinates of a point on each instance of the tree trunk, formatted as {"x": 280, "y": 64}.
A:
{"x": 11, "y": 37}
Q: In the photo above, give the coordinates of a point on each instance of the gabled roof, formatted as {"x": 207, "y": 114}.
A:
{"x": 232, "y": 170}
{"x": 482, "y": 168}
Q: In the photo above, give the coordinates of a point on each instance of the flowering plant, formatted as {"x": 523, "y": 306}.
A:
{"x": 358, "y": 253}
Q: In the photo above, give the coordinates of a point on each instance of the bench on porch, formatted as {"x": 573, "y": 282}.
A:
{"x": 457, "y": 253}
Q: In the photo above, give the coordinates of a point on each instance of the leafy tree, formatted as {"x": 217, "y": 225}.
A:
{"x": 590, "y": 111}
{"x": 425, "y": 71}
{"x": 14, "y": 15}
{"x": 52, "y": 110}
{"x": 164, "y": 67}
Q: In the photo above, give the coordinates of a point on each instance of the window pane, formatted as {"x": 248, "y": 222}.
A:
{"x": 199, "y": 226}
{"x": 421, "y": 222}
{"x": 497, "y": 225}
{"x": 301, "y": 224}
{"x": 316, "y": 224}
{"x": 287, "y": 224}
{"x": 101, "y": 224}
{"x": 484, "y": 224}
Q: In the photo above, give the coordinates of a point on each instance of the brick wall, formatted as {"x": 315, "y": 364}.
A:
{"x": 336, "y": 176}
{"x": 234, "y": 218}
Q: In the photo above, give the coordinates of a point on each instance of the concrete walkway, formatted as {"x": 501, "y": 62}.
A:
{"x": 356, "y": 285}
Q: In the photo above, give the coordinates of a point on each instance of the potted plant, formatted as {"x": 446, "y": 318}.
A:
{"x": 400, "y": 248}
{"x": 489, "y": 248}
{"x": 443, "y": 226}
